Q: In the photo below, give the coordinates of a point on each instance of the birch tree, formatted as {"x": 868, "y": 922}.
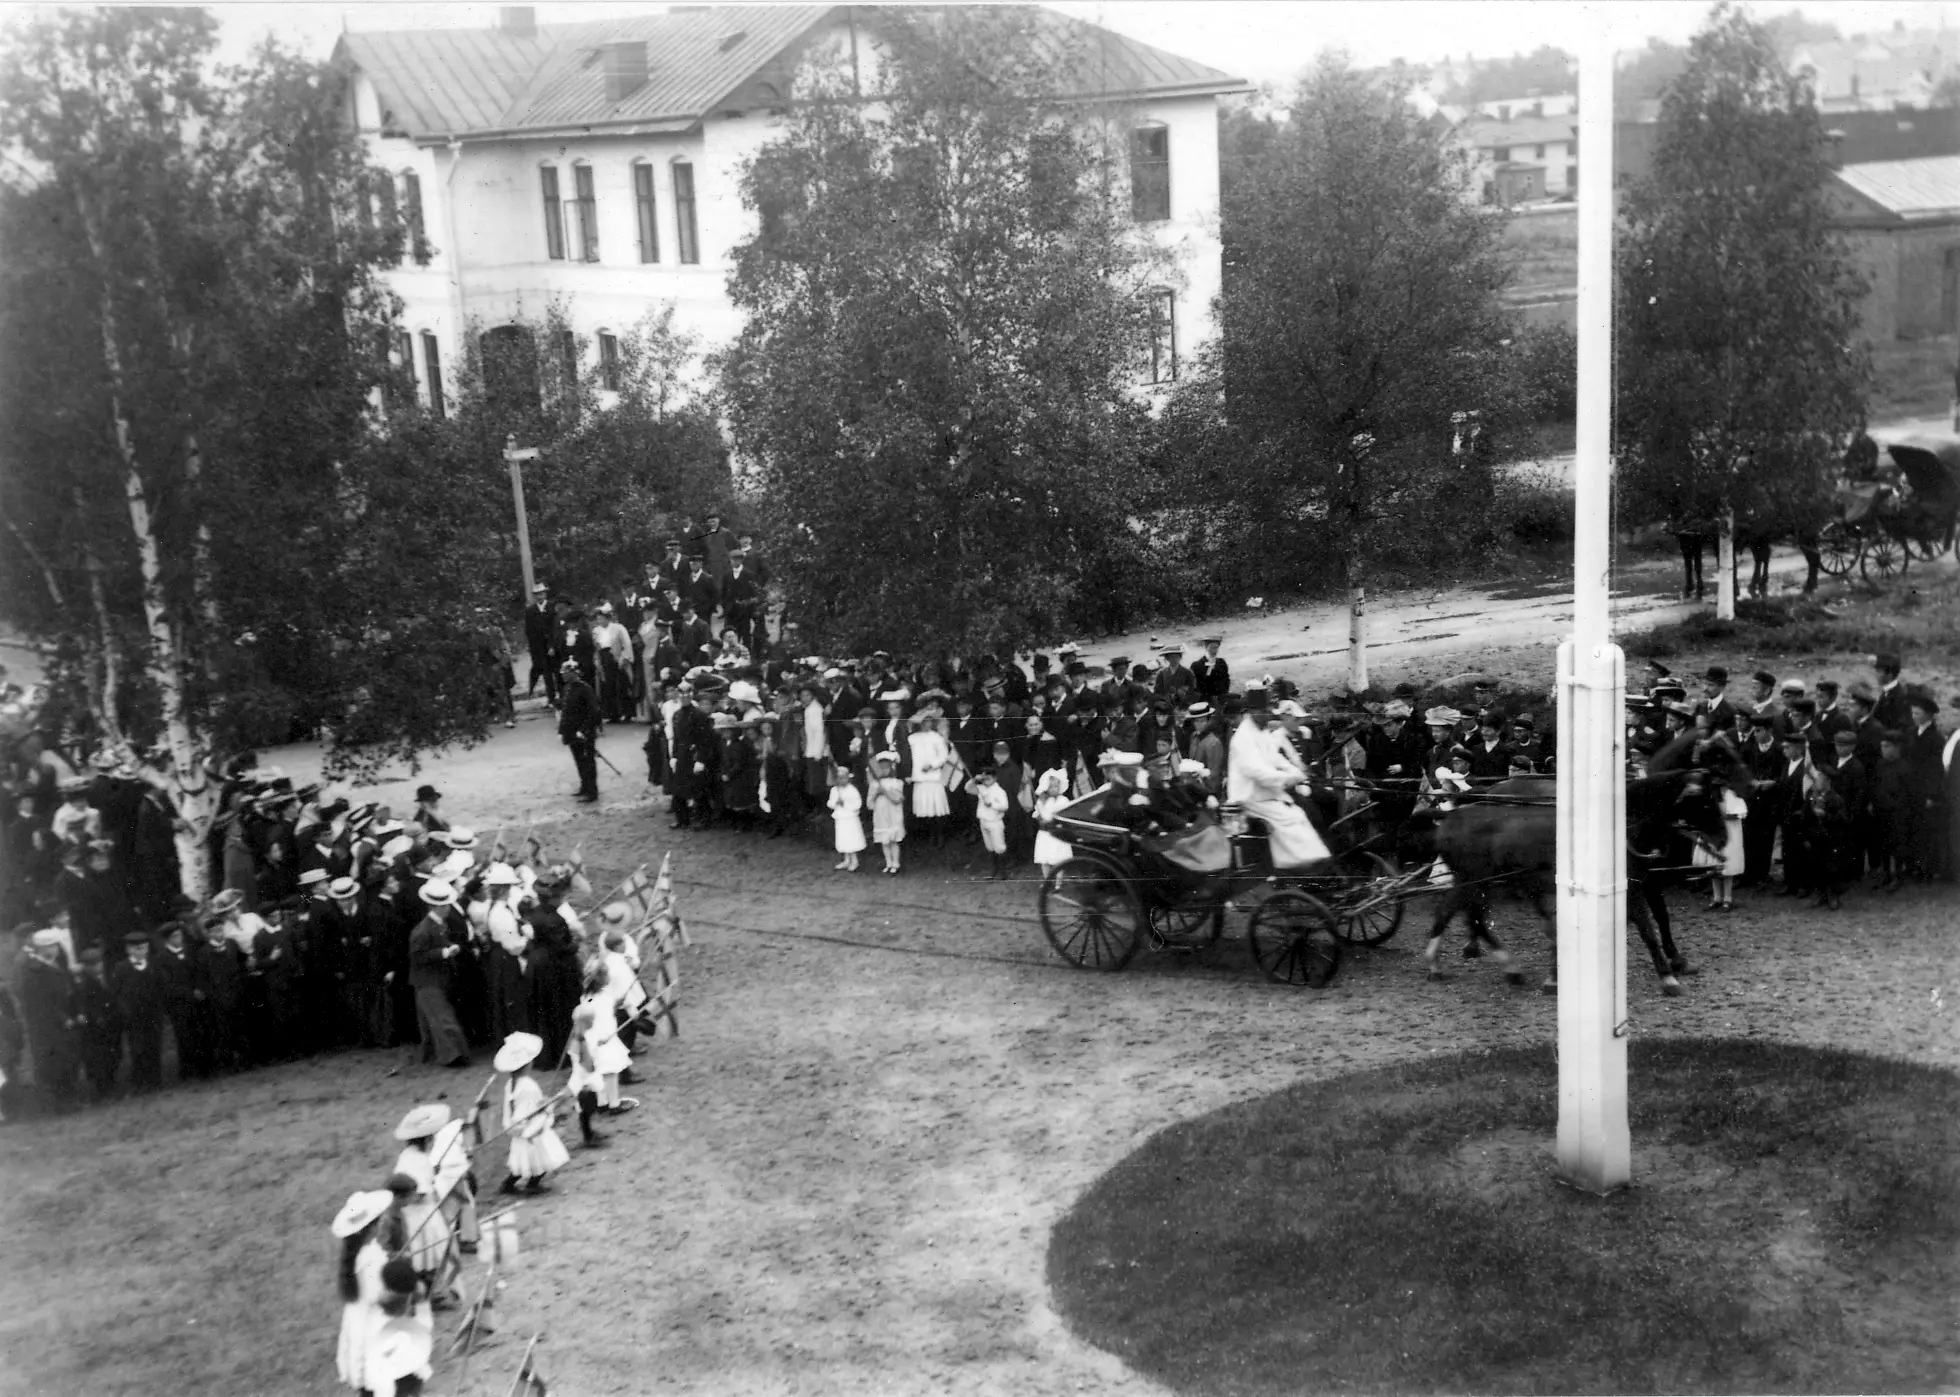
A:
{"x": 192, "y": 333}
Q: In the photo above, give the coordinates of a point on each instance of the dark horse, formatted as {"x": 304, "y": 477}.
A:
{"x": 1486, "y": 842}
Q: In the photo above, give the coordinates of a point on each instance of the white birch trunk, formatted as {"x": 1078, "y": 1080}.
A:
{"x": 1357, "y": 637}
{"x": 192, "y": 794}
{"x": 1725, "y": 567}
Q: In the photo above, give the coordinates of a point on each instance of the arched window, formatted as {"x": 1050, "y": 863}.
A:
{"x": 1150, "y": 173}
{"x": 554, "y": 214}
{"x": 432, "y": 372}
{"x": 645, "y": 210}
{"x": 689, "y": 234}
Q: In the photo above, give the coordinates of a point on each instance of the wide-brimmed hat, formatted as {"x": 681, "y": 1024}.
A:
{"x": 895, "y": 696}
{"x": 360, "y": 1209}
{"x": 1394, "y": 708}
{"x": 226, "y": 902}
{"x": 1442, "y": 716}
{"x": 423, "y": 1121}
{"x": 342, "y": 889}
{"x": 519, "y": 1050}
{"x": 456, "y": 866}
{"x": 437, "y": 893}
{"x": 500, "y": 875}
{"x": 312, "y": 877}
{"x": 427, "y": 793}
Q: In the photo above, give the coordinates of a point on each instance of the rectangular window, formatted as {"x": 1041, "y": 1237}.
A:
{"x": 418, "y": 242}
{"x": 649, "y": 223}
{"x": 400, "y": 351}
{"x": 554, "y": 216}
{"x": 588, "y": 213}
{"x": 1572, "y": 178}
{"x": 608, "y": 362}
{"x": 1150, "y": 174}
{"x": 432, "y": 363}
{"x": 1163, "y": 337}
{"x": 690, "y": 240}
{"x": 384, "y": 190}
{"x": 1539, "y": 154}
{"x": 568, "y": 357}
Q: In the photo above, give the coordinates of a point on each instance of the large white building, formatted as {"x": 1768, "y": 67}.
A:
{"x": 596, "y": 165}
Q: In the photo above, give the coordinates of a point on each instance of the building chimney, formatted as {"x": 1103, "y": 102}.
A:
{"x": 625, "y": 68}
{"x": 517, "y": 21}
{"x": 1834, "y": 138}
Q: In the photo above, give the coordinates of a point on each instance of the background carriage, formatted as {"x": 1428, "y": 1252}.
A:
{"x": 1883, "y": 524}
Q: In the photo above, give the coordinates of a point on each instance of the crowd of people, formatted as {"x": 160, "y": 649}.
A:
{"x": 331, "y": 925}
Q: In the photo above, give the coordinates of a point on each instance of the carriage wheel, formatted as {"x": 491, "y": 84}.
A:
{"x": 1201, "y": 923}
{"x": 1838, "y": 548}
{"x": 1368, "y": 913}
{"x": 1883, "y": 559}
{"x": 1091, "y": 915}
{"x": 1293, "y": 941}
{"x": 1925, "y": 547}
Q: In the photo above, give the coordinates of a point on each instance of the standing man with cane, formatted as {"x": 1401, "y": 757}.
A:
{"x": 578, "y": 728}
{"x": 541, "y": 638}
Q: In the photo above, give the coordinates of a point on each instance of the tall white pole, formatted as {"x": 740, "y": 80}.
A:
{"x": 1594, "y": 1150}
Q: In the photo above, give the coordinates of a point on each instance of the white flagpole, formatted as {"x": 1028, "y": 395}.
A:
{"x": 1594, "y": 1148}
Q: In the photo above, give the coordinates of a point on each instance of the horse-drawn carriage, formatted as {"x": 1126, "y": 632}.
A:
{"x": 1907, "y": 512}
{"x": 1122, "y": 889}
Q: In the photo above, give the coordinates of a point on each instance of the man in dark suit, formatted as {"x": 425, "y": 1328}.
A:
{"x": 1763, "y": 757}
{"x": 138, "y": 990}
{"x": 758, "y": 565}
{"x": 1923, "y": 751}
{"x": 1715, "y": 700}
{"x": 697, "y": 756}
{"x": 541, "y": 638}
{"x": 714, "y": 544}
{"x": 1889, "y": 706}
{"x": 1210, "y": 675}
{"x": 700, "y": 589}
{"x": 1852, "y": 782}
{"x": 741, "y": 603}
{"x": 671, "y": 570}
{"x": 578, "y": 729}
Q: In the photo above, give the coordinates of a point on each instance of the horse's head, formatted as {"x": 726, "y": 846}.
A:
{"x": 1697, "y": 811}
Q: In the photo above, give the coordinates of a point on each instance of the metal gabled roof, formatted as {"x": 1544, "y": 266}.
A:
{"x": 438, "y": 82}
{"x": 1909, "y": 189}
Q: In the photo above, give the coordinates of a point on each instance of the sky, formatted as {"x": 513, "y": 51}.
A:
{"x": 1260, "y": 40}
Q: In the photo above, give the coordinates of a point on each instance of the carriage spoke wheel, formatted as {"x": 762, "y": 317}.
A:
{"x": 1883, "y": 559}
{"x": 1091, "y": 915}
{"x": 1293, "y": 941}
{"x": 1191, "y": 924}
{"x": 1837, "y": 549}
{"x": 1925, "y": 547}
{"x": 1368, "y": 905}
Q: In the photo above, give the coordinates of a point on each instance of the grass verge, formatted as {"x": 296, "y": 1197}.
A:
{"x": 1794, "y": 1227}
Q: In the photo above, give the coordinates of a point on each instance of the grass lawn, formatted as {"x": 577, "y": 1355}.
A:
{"x": 1912, "y": 378}
{"x": 1794, "y": 1227}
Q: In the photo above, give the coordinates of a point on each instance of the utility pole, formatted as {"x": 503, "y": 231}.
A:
{"x": 515, "y": 459}
{"x": 1594, "y": 1149}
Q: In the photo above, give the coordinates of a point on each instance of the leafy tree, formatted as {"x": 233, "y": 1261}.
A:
{"x": 1645, "y": 76}
{"x": 1741, "y": 379}
{"x": 1359, "y": 313}
{"x": 620, "y": 466}
{"x": 192, "y": 335}
{"x": 936, "y": 384}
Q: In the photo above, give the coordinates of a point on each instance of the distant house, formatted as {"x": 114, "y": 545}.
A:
{"x": 1523, "y": 158}
{"x": 1902, "y": 219}
{"x": 597, "y": 164}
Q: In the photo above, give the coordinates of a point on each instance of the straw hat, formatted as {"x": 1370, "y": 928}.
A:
{"x": 437, "y": 893}
{"x": 501, "y": 875}
{"x": 227, "y": 902}
{"x": 519, "y": 1050}
{"x": 360, "y": 1209}
{"x": 423, "y": 1121}
{"x": 343, "y": 889}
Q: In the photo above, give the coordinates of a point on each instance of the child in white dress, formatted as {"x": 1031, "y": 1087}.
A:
{"x": 1727, "y": 864}
{"x": 1050, "y": 795}
{"x": 887, "y": 797}
{"x": 990, "y": 806}
{"x": 535, "y": 1149}
{"x": 932, "y": 760}
{"x": 846, "y": 806}
{"x": 586, "y": 1079}
{"x": 601, "y": 1037}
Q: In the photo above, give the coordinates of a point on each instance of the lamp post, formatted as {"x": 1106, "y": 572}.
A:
{"x": 1594, "y": 1151}
{"x": 514, "y": 458}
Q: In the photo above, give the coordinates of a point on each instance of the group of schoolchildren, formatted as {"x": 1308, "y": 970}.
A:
{"x": 402, "y": 1248}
